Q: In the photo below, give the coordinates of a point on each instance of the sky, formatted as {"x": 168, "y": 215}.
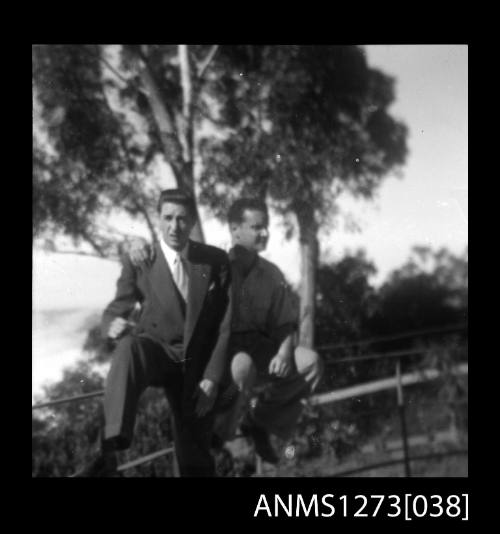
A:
{"x": 427, "y": 205}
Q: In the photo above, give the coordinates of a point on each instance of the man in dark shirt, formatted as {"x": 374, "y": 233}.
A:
{"x": 265, "y": 356}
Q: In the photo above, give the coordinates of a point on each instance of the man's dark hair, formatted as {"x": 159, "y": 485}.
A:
{"x": 178, "y": 196}
{"x": 238, "y": 208}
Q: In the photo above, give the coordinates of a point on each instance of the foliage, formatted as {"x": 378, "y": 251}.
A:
{"x": 307, "y": 122}
{"x": 453, "y": 388}
{"x": 66, "y": 436}
{"x": 345, "y": 299}
{"x": 429, "y": 290}
{"x": 63, "y": 434}
{"x": 79, "y": 124}
{"x": 95, "y": 147}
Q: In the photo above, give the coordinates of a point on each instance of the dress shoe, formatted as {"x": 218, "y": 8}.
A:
{"x": 216, "y": 442}
{"x": 261, "y": 439}
{"x": 226, "y": 398}
{"x": 224, "y": 463}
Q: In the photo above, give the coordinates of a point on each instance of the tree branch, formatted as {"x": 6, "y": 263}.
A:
{"x": 187, "y": 89}
{"x": 164, "y": 121}
{"x": 113, "y": 70}
{"x": 110, "y": 67}
{"x": 100, "y": 251}
{"x": 205, "y": 114}
{"x": 187, "y": 104}
{"x": 202, "y": 67}
{"x": 139, "y": 205}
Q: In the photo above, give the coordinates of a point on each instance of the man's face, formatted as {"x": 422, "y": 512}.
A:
{"x": 176, "y": 223}
{"x": 252, "y": 233}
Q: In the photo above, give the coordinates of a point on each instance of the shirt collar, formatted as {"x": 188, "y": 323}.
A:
{"x": 170, "y": 254}
{"x": 243, "y": 259}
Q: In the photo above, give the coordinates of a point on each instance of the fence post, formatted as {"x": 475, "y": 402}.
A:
{"x": 258, "y": 465}
{"x": 402, "y": 415}
{"x": 175, "y": 464}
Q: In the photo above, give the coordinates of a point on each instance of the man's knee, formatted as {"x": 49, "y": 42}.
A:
{"x": 125, "y": 348}
{"x": 243, "y": 371}
{"x": 125, "y": 343}
{"x": 309, "y": 364}
{"x": 127, "y": 355}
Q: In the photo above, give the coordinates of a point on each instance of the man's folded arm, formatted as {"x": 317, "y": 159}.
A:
{"x": 218, "y": 360}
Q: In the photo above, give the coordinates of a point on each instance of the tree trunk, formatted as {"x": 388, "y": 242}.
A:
{"x": 173, "y": 148}
{"x": 309, "y": 260}
{"x": 187, "y": 129}
{"x": 186, "y": 135}
{"x": 164, "y": 122}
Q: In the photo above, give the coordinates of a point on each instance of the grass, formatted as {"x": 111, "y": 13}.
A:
{"x": 452, "y": 462}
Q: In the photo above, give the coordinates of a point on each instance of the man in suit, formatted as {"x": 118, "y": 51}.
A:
{"x": 180, "y": 341}
{"x": 265, "y": 356}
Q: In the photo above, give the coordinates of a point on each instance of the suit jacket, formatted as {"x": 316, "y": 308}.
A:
{"x": 196, "y": 333}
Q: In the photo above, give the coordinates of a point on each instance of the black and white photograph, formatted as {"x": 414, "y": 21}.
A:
{"x": 251, "y": 261}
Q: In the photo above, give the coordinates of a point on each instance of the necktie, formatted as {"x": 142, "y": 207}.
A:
{"x": 180, "y": 276}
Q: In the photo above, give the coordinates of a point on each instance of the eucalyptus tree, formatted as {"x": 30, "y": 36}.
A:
{"x": 103, "y": 116}
{"x": 306, "y": 123}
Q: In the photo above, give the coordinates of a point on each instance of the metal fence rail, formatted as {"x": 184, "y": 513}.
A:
{"x": 406, "y": 379}
{"x": 146, "y": 459}
{"x": 68, "y": 399}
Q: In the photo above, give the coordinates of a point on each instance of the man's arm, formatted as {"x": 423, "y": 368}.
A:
{"x": 217, "y": 362}
{"x": 140, "y": 251}
{"x": 281, "y": 363}
{"x": 121, "y": 307}
{"x": 209, "y": 384}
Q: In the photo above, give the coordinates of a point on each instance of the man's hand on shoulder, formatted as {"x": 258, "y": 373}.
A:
{"x": 206, "y": 395}
{"x": 117, "y": 327}
{"x": 140, "y": 251}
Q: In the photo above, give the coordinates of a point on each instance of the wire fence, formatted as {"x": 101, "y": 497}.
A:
{"x": 395, "y": 337}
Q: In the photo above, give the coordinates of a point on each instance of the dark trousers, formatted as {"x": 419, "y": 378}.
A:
{"x": 137, "y": 363}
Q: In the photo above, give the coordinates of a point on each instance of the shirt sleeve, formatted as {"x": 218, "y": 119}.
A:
{"x": 283, "y": 316}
